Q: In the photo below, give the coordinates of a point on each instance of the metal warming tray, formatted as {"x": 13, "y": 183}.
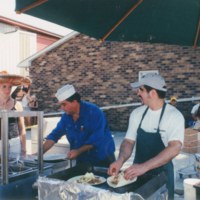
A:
{"x": 22, "y": 176}
{"x": 19, "y": 172}
{"x": 23, "y": 169}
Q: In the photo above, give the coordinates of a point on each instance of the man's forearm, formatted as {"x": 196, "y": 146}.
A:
{"x": 126, "y": 150}
{"x": 84, "y": 148}
{"x": 47, "y": 145}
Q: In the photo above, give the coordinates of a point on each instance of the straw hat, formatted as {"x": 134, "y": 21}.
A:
{"x": 15, "y": 80}
{"x": 173, "y": 98}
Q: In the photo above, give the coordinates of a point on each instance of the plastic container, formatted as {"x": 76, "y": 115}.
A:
{"x": 189, "y": 190}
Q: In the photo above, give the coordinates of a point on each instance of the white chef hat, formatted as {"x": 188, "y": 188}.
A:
{"x": 65, "y": 92}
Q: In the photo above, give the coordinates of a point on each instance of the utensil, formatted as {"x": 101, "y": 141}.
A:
{"x": 53, "y": 157}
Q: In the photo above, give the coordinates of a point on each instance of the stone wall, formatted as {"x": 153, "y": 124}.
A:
{"x": 191, "y": 141}
{"x": 102, "y": 73}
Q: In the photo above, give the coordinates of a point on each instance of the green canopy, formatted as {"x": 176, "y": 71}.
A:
{"x": 154, "y": 21}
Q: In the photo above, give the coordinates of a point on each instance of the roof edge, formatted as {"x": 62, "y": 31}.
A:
{"x": 28, "y": 61}
{"x": 28, "y": 27}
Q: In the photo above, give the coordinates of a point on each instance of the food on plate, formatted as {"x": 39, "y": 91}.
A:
{"x": 115, "y": 180}
{"x": 89, "y": 178}
{"x": 118, "y": 178}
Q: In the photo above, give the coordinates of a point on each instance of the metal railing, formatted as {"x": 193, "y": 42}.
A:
{"x": 126, "y": 105}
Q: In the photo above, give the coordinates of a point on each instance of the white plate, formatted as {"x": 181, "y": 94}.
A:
{"x": 77, "y": 178}
{"x": 53, "y": 157}
{"x": 121, "y": 183}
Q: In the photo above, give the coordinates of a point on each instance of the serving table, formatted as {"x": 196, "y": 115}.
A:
{"x": 149, "y": 187}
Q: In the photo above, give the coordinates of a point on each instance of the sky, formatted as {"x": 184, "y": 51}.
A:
{"x": 7, "y": 9}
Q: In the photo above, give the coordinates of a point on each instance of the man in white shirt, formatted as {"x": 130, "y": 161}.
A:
{"x": 157, "y": 129}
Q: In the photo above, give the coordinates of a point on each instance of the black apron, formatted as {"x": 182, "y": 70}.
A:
{"x": 148, "y": 145}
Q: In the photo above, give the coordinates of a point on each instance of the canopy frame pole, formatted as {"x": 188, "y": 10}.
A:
{"x": 121, "y": 20}
{"x": 197, "y": 35}
{"x": 29, "y": 7}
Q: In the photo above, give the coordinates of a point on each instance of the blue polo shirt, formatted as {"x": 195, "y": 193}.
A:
{"x": 91, "y": 128}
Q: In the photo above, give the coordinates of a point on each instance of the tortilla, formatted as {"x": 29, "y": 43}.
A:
{"x": 119, "y": 180}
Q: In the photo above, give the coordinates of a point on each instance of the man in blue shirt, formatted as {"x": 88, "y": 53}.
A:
{"x": 86, "y": 129}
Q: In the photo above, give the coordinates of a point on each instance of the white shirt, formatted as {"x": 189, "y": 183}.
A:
{"x": 25, "y": 102}
{"x": 172, "y": 125}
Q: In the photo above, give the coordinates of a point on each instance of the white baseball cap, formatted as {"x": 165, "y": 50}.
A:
{"x": 155, "y": 81}
{"x": 65, "y": 92}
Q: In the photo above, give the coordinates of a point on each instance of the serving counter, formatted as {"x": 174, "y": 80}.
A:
{"x": 148, "y": 187}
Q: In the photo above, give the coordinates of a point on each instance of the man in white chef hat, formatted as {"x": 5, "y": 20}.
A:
{"x": 85, "y": 127}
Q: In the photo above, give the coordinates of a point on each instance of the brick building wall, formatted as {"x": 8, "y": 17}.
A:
{"x": 191, "y": 141}
{"x": 102, "y": 73}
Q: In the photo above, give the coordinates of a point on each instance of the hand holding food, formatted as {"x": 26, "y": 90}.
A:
{"x": 119, "y": 180}
{"x": 114, "y": 168}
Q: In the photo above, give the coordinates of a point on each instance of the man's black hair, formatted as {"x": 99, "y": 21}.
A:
{"x": 161, "y": 94}
{"x": 75, "y": 96}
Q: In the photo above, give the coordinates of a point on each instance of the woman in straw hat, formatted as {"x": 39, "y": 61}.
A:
{"x": 173, "y": 101}
{"x": 16, "y": 131}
